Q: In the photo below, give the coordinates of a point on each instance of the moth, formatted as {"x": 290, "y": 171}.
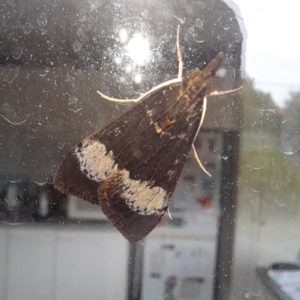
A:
{"x": 131, "y": 167}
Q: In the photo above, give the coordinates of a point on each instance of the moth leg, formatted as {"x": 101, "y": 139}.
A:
{"x": 220, "y": 93}
{"x": 193, "y": 146}
{"x": 169, "y": 214}
{"x": 199, "y": 162}
{"x": 214, "y": 93}
{"x": 179, "y": 55}
{"x": 204, "y": 106}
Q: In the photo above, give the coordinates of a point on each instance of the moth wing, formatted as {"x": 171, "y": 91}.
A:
{"x": 131, "y": 167}
{"x": 74, "y": 175}
{"x": 132, "y": 222}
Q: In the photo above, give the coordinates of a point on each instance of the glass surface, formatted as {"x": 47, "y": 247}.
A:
{"x": 234, "y": 235}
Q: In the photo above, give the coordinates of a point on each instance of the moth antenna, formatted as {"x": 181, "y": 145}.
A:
{"x": 169, "y": 214}
{"x": 157, "y": 87}
{"x": 220, "y": 93}
{"x": 115, "y": 99}
{"x": 166, "y": 83}
{"x": 198, "y": 161}
{"x": 179, "y": 55}
{"x": 204, "y": 106}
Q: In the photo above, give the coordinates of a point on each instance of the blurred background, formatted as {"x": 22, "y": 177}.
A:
{"x": 234, "y": 235}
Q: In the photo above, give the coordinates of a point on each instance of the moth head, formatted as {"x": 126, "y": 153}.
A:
{"x": 195, "y": 74}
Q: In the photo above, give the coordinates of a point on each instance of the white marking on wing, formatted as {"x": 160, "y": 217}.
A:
{"x": 142, "y": 196}
{"x": 94, "y": 160}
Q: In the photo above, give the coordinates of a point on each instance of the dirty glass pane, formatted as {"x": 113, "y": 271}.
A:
{"x": 232, "y": 235}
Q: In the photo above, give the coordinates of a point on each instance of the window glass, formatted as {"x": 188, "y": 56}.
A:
{"x": 231, "y": 235}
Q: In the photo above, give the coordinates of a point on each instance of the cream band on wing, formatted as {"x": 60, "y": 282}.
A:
{"x": 94, "y": 160}
{"x": 142, "y": 196}
{"x": 98, "y": 165}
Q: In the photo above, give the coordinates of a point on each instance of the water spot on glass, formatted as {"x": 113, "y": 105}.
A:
{"x": 12, "y": 73}
{"x": 290, "y": 152}
{"x": 13, "y": 223}
{"x": 46, "y": 71}
{"x": 11, "y": 198}
{"x": 15, "y": 154}
{"x": 289, "y": 145}
{"x": 278, "y": 185}
{"x": 39, "y": 183}
{"x": 75, "y": 110}
{"x": 70, "y": 78}
{"x": 27, "y": 28}
{"x": 42, "y": 19}
{"x": 61, "y": 144}
{"x": 82, "y": 14}
{"x": 181, "y": 20}
{"x": 199, "y": 23}
{"x": 14, "y": 181}
{"x": 7, "y": 108}
{"x": 15, "y": 122}
{"x": 87, "y": 27}
{"x": 73, "y": 100}
{"x": 77, "y": 46}
{"x": 74, "y": 104}
{"x": 256, "y": 166}
{"x": 60, "y": 122}
{"x": 196, "y": 33}
{"x": 9, "y": 115}
{"x": 43, "y": 31}
{"x": 79, "y": 31}
{"x": 11, "y": 3}
{"x": 286, "y": 200}
{"x": 201, "y": 5}
{"x": 17, "y": 52}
